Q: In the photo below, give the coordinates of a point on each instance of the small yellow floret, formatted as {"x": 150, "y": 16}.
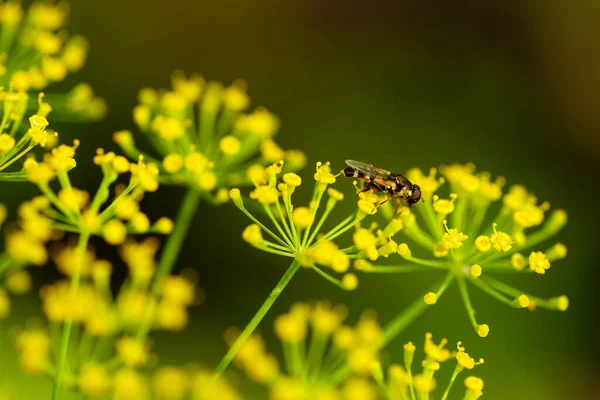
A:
{"x": 453, "y": 238}
{"x": 93, "y": 380}
{"x": 430, "y": 298}
{"x": 500, "y": 240}
{"x": 290, "y": 328}
{"x": 538, "y": 262}
{"x": 483, "y": 243}
{"x": 131, "y": 351}
{"x": 483, "y": 330}
{"x": 114, "y": 232}
{"x": 265, "y": 194}
{"x": 230, "y": 145}
{"x": 349, "y": 281}
{"x": 292, "y": 180}
{"x": 164, "y": 225}
{"x": 476, "y": 270}
{"x": 303, "y": 217}
{"x": 253, "y": 235}
{"x": 323, "y": 174}
{"x": 517, "y": 261}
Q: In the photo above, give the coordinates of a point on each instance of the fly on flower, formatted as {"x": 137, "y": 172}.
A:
{"x": 380, "y": 180}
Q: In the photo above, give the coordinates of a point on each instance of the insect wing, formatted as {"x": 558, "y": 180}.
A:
{"x": 368, "y": 169}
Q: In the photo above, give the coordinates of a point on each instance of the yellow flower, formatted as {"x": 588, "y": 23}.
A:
{"x": 131, "y": 351}
{"x": 93, "y": 380}
{"x": 33, "y": 346}
{"x": 115, "y": 232}
{"x": 212, "y": 154}
{"x": 464, "y": 360}
{"x": 538, "y": 262}
{"x": 500, "y": 240}
{"x": 18, "y": 282}
{"x": 453, "y": 238}
{"x": 129, "y": 384}
{"x": 290, "y": 328}
{"x": 462, "y": 252}
{"x": 170, "y": 383}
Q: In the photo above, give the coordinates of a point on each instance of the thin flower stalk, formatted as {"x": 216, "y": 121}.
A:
{"x": 297, "y": 233}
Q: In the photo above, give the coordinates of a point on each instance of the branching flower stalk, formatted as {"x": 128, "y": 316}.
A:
{"x": 316, "y": 344}
{"x": 205, "y": 143}
{"x": 36, "y": 51}
{"x": 297, "y": 234}
{"x": 438, "y": 226}
{"x": 70, "y": 210}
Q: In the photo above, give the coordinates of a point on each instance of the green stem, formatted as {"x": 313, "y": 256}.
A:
{"x": 169, "y": 255}
{"x": 452, "y": 379}
{"x": 66, "y": 333}
{"x": 260, "y": 314}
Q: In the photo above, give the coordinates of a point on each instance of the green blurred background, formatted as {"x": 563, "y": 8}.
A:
{"x": 512, "y": 86}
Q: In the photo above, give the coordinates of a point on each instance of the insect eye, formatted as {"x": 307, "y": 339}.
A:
{"x": 416, "y": 195}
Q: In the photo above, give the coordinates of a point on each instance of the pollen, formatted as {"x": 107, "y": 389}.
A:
{"x": 430, "y": 298}
{"x": 453, "y": 238}
{"x": 476, "y": 270}
{"x": 500, "y": 240}
{"x": 538, "y": 262}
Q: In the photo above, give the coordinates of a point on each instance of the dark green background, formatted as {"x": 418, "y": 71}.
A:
{"x": 512, "y": 87}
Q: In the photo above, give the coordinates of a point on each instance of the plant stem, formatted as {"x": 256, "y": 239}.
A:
{"x": 260, "y": 314}
{"x": 184, "y": 218}
{"x": 66, "y": 333}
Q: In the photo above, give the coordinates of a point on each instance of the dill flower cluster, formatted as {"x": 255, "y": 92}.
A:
{"x": 298, "y": 233}
{"x": 36, "y": 51}
{"x": 401, "y": 384}
{"x": 204, "y": 138}
{"x": 464, "y": 235}
{"x": 316, "y": 344}
{"x": 97, "y": 366}
{"x": 70, "y": 209}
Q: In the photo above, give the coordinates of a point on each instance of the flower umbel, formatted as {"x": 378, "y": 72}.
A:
{"x": 203, "y": 136}
{"x": 36, "y": 51}
{"x": 316, "y": 344}
{"x": 297, "y": 233}
{"x": 455, "y": 234}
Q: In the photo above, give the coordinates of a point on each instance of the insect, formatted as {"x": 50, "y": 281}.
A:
{"x": 380, "y": 180}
